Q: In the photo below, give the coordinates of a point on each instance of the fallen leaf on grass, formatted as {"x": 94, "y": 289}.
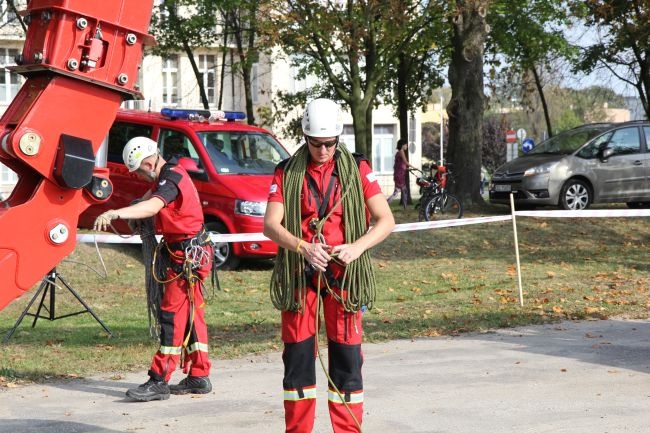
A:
{"x": 450, "y": 277}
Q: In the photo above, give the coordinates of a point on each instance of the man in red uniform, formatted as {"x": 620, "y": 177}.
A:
{"x": 174, "y": 204}
{"x": 321, "y": 198}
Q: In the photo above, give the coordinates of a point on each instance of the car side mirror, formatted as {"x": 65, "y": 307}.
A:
{"x": 605, "y": 154}
{"x": 198, "y": 174}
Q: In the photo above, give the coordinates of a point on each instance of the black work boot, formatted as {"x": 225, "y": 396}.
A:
{"x": 150, "y": 390}
{"x": 192, "y": 385}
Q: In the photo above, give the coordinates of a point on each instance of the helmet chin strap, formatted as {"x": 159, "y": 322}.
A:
{"x": 152, "y": 174}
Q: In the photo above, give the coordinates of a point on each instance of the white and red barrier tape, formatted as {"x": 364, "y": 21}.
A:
{"x": 587, "y": 213}
{"x": 257, "y": 237}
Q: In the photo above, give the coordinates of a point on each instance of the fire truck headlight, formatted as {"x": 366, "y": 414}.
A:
{"x": 252, "y": 208}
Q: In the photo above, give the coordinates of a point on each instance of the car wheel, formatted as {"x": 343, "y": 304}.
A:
{"x": 575, "y": 195}
{"x": 224, "y": 256}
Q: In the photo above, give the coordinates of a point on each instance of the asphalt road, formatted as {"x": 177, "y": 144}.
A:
{"x": 577, "y": 377}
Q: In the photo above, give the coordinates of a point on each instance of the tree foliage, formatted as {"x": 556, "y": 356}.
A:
{"x": 350, "y": 46}
{"x": 623, "y": 46}
{"x": 527, "y": 37}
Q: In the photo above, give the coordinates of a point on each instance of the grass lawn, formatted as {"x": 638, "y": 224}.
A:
{"x": 430, "y": 283}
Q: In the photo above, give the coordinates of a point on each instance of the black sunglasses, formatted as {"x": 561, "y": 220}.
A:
{"x": 327, "y": 144}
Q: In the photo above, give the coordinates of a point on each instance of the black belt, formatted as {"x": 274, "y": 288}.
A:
{"x": 201, "y": 238}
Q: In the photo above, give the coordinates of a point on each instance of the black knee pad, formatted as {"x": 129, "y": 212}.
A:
{"x": 345, "y": 366}
{"x": 299, "y": 364}
{"x": 166, "y": 328}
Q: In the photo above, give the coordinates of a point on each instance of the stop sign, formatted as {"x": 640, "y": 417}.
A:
{"x": 511, "y": 136}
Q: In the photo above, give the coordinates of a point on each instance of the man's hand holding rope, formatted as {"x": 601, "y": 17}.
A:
{"x": 347, "y": 253}
{"x": 316, "y": 254}
{"x": 104, "y": 220}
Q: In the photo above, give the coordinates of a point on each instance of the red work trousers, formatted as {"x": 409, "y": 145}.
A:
{"x": 344, "y": 336}
{"x": 182, "y": 313}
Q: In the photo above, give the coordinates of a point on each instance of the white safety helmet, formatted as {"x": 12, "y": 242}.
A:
{"x": 137, "y": 149}
{"x": 322, "y": 118}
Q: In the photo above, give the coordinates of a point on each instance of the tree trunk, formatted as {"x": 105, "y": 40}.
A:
{"x": 368, "y": 132}
{"x": 542, "y": 98}
{"x": 467, "y": 104}
{"x": 197, "y": 74}
{"x": 359, "y": 123}
{"x": 245, "y": 65}
{"x": 222, "y": 72}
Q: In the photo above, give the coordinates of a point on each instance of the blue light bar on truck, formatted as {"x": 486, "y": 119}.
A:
{"x": 202, "y": 115}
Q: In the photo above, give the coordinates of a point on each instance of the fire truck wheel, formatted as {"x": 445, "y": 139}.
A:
{"x": 224, "y": 256}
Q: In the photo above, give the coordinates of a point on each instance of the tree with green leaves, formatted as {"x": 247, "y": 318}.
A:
{"x": 528, "y": 36}
{"x": 350, "y": 45}
{"x": 623, "y": 45}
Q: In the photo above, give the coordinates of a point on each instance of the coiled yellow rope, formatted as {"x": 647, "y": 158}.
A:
{"x": 288, "y": 282}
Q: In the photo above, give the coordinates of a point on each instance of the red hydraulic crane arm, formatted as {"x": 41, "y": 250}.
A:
{"x": 81, "y": 60}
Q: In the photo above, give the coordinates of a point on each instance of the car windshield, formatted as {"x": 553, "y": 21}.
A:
{"x": 240, "y": 152}
{"x": 567, "y": 142}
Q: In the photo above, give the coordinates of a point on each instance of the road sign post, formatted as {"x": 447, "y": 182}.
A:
{"x": 511, "y": 146}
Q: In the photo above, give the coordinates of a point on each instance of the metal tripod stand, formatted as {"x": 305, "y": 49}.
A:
{"x": 48, "y": 284}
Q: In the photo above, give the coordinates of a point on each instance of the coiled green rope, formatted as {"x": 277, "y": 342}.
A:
{"x": 288, "y": 282}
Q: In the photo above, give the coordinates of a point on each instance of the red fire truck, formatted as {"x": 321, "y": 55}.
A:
{"x": 230, "y": 162}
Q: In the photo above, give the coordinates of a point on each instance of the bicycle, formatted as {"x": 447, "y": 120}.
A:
{"x": 436, "y": 203}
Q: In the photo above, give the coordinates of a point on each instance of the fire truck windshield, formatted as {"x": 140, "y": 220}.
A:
{"x": 237, "y": 152}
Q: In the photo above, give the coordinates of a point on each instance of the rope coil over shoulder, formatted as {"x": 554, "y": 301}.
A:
{"x": 288, "y": 286}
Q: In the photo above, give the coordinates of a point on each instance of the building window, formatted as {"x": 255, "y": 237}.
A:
{"x": 347, "y": 137}
{"x": 207, "y": 67}
{"x": 298, "y": 83}
{"x": 170, "y": 80}
{"x": 7, "y": 176}
{"x": 255, "y": 85}
{"x": 383, "y": 148}
{"x": 9, "y": 81}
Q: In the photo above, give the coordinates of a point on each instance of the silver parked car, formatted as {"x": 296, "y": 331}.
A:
{"x": 594, "y": 163}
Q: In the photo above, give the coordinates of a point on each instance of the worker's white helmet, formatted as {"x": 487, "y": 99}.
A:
{"x": 137, "y": 149}
{"x": 322, "y": 118}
